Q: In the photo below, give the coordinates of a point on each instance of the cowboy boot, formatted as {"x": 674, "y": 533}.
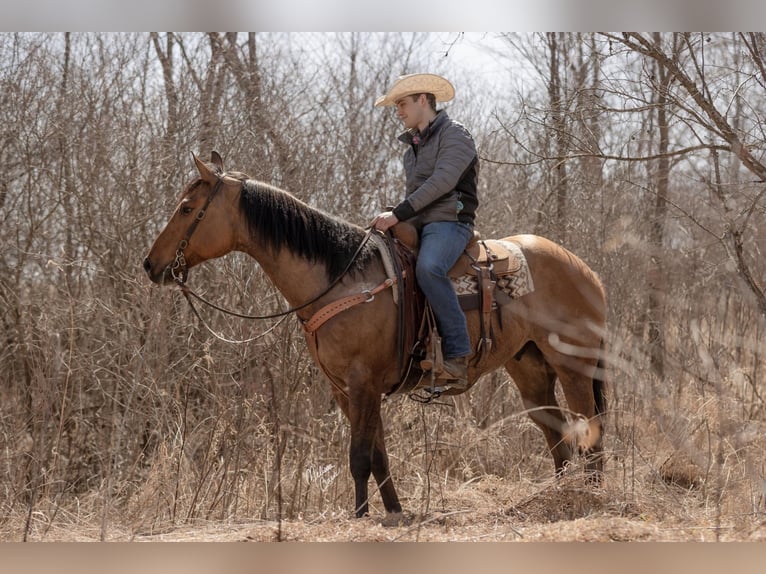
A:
{"x": 456, "y": 372}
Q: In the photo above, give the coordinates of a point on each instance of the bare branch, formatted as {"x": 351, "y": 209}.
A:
{"x": 675, "y": 153}
{"x": 643, "y": 46}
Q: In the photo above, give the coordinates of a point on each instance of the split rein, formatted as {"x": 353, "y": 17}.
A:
{"x": 179, "y": 271}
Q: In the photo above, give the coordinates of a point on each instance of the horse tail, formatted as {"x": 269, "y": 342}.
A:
{"x": 599, "y": 383}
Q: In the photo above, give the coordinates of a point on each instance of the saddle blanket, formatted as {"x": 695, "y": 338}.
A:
{"x": 515, "y": 285}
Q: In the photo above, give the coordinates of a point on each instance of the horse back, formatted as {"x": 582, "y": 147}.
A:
{"x": 561, "y": 279}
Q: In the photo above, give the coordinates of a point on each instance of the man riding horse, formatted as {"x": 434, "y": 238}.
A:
{"x": 441, "y": 167}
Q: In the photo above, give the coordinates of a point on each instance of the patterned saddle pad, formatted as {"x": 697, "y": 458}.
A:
{"x": 510, "y": 269}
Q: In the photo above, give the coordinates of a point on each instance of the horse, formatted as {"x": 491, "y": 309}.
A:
{"x": 314, "y": 259}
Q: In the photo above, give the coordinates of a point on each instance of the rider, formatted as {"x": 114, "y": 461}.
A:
{"x": 441, "y": 167}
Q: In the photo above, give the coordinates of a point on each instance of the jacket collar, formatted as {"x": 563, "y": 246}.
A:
{"x": 435, "y": 125}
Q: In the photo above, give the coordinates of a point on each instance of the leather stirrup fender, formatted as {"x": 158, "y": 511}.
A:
{"x": 486, "y": 292}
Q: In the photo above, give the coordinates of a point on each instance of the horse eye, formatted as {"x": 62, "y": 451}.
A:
{"x": 186, "y": 210}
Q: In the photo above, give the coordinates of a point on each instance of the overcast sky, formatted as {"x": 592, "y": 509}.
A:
{"x": 391, "y": 15}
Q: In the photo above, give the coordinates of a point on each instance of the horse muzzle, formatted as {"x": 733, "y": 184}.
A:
{"x": 158, "y": 275}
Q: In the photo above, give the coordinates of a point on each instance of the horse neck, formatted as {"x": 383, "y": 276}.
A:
{"x": 296, "y": 245}
{"x": 298, "y": 279}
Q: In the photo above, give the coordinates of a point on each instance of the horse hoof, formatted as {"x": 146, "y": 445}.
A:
{"x": 394, "y": 519}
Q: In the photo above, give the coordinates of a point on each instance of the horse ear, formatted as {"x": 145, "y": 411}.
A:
{"x": 204, "y": 169}
{"x": 217, "y": 160}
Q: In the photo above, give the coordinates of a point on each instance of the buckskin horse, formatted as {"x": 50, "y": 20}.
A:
{"x": 555, "y": 331}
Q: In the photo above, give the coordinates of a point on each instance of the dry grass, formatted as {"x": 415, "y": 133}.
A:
{"x": 247, "y": 444}
{"x": 490, "y": 509}
{"x": 680, "y": 468}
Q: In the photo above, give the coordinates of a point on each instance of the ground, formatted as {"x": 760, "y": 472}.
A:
{"x": 486, "y": 509}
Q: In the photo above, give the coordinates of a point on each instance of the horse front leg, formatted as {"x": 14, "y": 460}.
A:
{"x": 367, "y": 451}
{"x": 363, "y": 419}
{"x": 382, "y": 472}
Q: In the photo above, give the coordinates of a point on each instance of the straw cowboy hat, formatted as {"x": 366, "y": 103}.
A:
{"x": 417, "y": 84}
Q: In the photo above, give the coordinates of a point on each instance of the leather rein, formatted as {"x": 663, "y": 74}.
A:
{"x": 179, "y": 271}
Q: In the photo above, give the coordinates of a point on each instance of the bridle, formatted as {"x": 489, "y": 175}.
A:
{"x": 179, "y": 269}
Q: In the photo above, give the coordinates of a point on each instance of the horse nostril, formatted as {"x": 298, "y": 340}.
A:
{"x": 147, "y": 265}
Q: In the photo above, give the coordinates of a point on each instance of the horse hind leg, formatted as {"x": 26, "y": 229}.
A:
{"x": 596, "y": 455}
{"x": 583, "y": 382}
{"x": 536, "y": 382}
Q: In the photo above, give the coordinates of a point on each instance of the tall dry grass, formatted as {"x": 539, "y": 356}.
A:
{"x": 145, "y": 423}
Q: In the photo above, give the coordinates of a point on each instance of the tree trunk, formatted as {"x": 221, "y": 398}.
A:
{"x": 558, "y": 123}
{"x": 655, "y": 302}
{"x": 170, "y": 138}
{"x": 558, "y": 116}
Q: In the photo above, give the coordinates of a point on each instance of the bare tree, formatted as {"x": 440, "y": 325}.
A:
{"x": 713, "y": 128}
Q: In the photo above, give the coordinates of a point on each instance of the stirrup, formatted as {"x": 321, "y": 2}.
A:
{"x": 426, "y": 395}
{"x": 456, "y": 384}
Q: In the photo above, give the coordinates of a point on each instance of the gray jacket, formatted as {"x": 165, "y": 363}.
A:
{"x": 441, "y": 167}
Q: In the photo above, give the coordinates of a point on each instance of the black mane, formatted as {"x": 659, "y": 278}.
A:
{"x": 278, "y": 219}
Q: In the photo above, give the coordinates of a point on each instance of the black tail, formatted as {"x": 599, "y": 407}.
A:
{"x": 599, "y": 383}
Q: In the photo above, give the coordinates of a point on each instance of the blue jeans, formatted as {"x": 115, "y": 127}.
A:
{"x": 441, "y": 243}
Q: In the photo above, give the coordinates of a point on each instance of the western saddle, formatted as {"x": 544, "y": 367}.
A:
{"x": 482, "y": 263}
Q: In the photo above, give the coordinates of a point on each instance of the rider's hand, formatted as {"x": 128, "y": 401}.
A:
{"x": 384, "y": 220}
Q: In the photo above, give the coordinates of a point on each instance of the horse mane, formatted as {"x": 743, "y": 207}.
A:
{"x": 280, "y": 220}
